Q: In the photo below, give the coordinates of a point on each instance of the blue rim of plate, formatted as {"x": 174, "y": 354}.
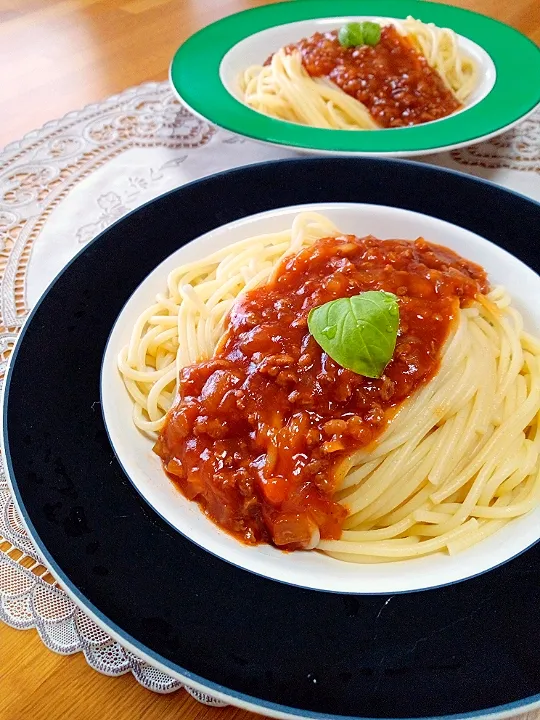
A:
{"x": 195, "y": 76}
{"x": 241, "y": 698}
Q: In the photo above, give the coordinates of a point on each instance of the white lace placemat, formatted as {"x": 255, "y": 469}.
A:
{"x": 62, "y": 185}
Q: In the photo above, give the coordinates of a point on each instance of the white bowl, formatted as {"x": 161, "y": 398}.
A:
{"x": 254, "y": 50}
{"x": 313, "y": 569}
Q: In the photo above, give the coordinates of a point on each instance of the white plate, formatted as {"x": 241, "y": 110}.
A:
{"x": 312, "y": 569}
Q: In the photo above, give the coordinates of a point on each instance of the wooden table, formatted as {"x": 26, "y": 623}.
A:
{"x": 56, "y": 56}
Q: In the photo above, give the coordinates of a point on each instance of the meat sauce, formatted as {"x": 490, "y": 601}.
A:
{"x": 257, "y": 433}
{"x": 392, "y": 79}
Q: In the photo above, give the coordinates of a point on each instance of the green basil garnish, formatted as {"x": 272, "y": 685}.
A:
{"x": 371, "y": 32}
{"x": 355, "y": 33}
{"x": 359, "y": 332}
{"x": 350, "y": 35}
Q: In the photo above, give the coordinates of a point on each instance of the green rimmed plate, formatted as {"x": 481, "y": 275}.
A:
{"x": 205, "y": 69}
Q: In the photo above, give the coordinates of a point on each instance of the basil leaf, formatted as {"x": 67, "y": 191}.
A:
{"x": 354, "y": 34}
{"x": 359, "y": 332}
{"x": 371, "y": 32}
{"x": 350, "y": 35}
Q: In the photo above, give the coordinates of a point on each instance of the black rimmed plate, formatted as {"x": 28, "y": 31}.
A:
{"x": 471, "y": 649}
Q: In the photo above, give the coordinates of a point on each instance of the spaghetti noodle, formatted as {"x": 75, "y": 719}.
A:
{"x": 415, "y": 74}
{"x": 457, "y": 459}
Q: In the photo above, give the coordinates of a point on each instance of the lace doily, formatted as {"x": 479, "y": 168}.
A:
{"x": 62, "y": 185}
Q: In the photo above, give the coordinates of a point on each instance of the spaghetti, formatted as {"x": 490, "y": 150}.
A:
{"x": 456, "y": 454}
{"x": 415, "y": 74}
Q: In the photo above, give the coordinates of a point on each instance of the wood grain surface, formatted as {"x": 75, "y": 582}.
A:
{"x": 56, "y": 56}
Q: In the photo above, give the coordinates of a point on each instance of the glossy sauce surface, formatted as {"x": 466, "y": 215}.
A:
{"x": 257, "y": 432}
{"x": 392, "y": 79}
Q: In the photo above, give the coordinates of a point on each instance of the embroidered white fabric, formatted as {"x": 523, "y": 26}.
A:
{"x": 59, "y": 187}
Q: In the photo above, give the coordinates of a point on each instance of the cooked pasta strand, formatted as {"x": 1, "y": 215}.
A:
{"x": 459, "y": 459}
{"x": 283, "y": 89}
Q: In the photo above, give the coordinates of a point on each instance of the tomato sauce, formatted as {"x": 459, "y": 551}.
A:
{"x": 256, "y": 433}
{"x": 392, "y": 79}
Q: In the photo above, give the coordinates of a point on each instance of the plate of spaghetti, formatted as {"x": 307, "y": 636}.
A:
{"x": 338, "y": 379}
{"x": 386, "y": 78}
{"x": 280, "y": 439}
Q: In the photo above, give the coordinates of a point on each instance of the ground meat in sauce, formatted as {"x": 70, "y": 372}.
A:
{"x": 392, "y": 79}
{"x": 257, "y": 432}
